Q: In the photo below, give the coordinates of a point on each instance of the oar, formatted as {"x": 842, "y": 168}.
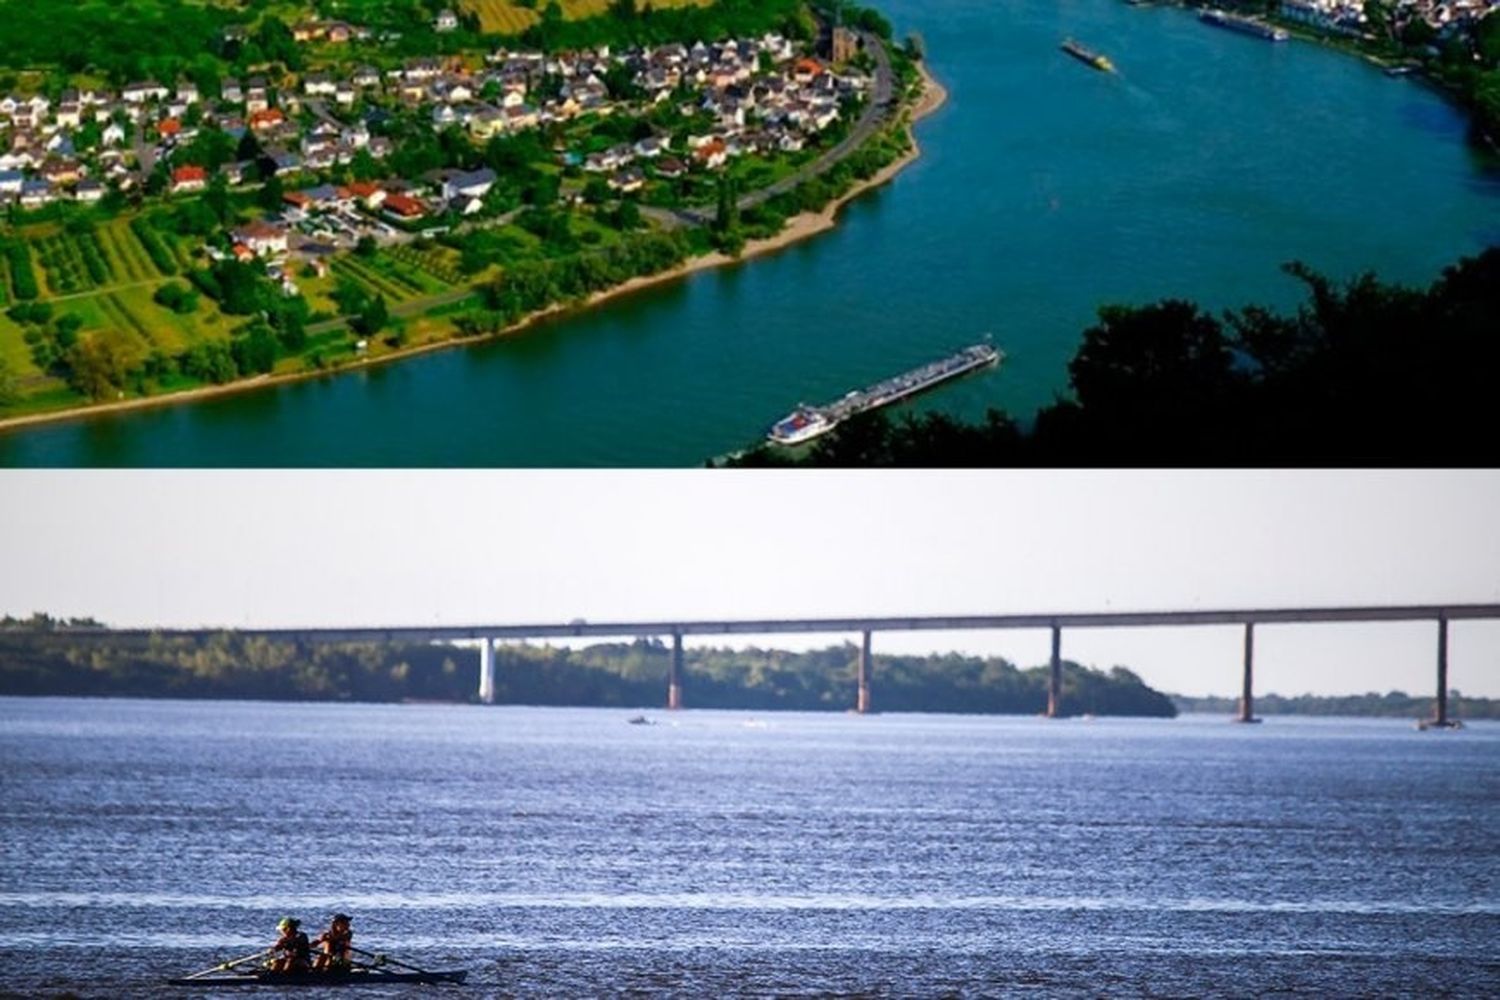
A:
{"x": 383, "y": 959}
{"x": 226, "y": 966}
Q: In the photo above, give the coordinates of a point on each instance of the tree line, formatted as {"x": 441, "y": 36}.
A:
{"x": 64, "y": 659}
{"x": 1392, "y": 704}
{"x": 1362, "y": 372}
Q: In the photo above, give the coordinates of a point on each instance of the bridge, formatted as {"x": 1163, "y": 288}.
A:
{"x": 487, "y": 635}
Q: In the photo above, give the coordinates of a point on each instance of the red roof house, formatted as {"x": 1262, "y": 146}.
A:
{"x": 189, "y": 179}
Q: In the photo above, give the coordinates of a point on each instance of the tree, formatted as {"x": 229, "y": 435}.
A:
{"x": 271, "y": 194}
{"x": 372, "y": 317}
{"x": 627, "y": 216}
{"x": 241, "y": 288}
{"x": 255, "y": 353}
{"x": 210, "y": 361}
{"x": 99, "y": 365}
{"x": 249, "y": 147}
{"x": 1487, "y": 39}
{"x": 216, "y": 198}
{"x": 363, "y": 166}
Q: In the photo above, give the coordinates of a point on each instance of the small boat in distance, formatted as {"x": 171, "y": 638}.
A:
{"x": 807, "y": 422}
{"x": 1094, "y": 59}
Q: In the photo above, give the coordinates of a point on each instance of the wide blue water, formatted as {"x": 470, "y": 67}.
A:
{"x": 556, "y": 852}
{"x": 1045, "y": 189}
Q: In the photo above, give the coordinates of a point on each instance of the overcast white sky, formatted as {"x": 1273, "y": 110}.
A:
{"x": 330, "y": 548}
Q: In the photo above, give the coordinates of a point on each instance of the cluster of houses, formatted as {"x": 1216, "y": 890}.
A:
{"x": 759, "y": 96}
{"x": 1348, "y": 16}
{"x": 41, "y": 160}
{"x": 38, "y": 157}
{"x": 752, "y": 105}
{"x": 324, "y": 218}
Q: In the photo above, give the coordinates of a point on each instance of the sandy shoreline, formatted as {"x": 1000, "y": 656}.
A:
{"x": 797, "y": 228}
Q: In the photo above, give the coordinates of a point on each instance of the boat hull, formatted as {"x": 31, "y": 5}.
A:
{"x": 357, "y": 977}
{"x": 1088, "y": 57}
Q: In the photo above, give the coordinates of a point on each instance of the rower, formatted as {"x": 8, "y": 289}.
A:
{"x": 291, "y": 950}
{"x": 337, "y": 942}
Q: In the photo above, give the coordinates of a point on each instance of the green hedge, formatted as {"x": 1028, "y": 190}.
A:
{"x": 155, "y": 248}
{"x": 22, "y": 276}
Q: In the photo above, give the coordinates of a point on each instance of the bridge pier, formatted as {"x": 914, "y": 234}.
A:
{"x": 1247, "y": 691}
{"x": 1054, "y": 680}
{"x": 862, "y": 700}
{"x": 1440, "y": 718}
{"x": 674, "y": 678}
{"x": 487, "y": 671}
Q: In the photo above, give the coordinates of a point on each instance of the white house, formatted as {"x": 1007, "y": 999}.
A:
{"x": 475, "y": 184}
{"x": 262, "y": 238}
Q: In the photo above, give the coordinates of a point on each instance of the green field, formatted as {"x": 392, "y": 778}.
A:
{"x": 508, "y": 18}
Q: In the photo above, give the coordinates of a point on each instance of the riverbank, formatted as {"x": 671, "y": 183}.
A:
{"x": 1372, "y": 51}
{"x": 797, "y": 228}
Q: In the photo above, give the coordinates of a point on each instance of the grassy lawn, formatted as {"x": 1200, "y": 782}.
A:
{"x": 13, "y": 350}
{"x": 88, "y": 308}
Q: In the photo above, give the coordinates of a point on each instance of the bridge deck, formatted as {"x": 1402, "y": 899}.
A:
{"x": 766, "y": 626}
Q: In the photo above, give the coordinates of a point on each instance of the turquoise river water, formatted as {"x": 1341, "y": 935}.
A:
{"x": 1044, "y": 189}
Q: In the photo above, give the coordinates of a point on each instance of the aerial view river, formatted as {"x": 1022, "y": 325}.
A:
{"x": 563, "y": 852}
{"x": 1045, "y": 189}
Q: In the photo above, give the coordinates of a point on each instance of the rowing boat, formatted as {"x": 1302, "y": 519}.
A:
{"x": 376, "y": 971}
{"x": 350, "y": 977}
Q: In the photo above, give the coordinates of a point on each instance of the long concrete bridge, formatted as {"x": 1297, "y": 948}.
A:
{"x": 487, "y": 635}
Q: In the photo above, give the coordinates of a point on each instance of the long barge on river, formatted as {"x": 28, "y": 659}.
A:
{"x": 1244, "y": 25}
{"x": 1094, "y": 59}
{"x": 808, "y": 422}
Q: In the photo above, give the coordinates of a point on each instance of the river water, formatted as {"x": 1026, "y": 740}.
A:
{"x": 563, "y": 852}
{"x": 1045, "y": 189}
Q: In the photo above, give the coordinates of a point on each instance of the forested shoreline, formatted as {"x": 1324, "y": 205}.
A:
{"x": 1391, "y": 705}
{"x": 633, "y": 675}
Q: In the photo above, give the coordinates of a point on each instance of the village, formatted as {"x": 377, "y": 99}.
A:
{"x": 1349, "y": 17}
{"x": 696, "y": 108}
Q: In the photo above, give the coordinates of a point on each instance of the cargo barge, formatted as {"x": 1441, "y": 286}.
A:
{"x": 1244, "y": 25}
{"x": 808, "y": 422}
{"x": 1089, "y": 56}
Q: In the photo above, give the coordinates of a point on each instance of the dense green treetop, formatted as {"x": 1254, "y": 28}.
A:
{"x": 166, "y": 40}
